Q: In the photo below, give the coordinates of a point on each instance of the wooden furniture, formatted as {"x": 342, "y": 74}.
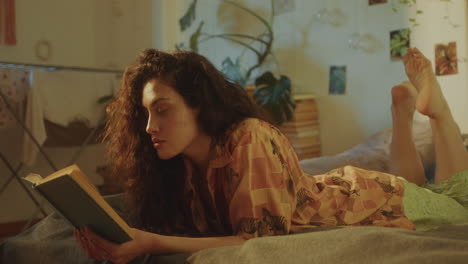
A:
{"x": 303, "y": 131}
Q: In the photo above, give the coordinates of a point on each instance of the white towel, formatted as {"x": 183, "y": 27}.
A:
{"x": 68, "y": 95}
{"x": 62, "y": 97}
{"x": 34, "y": 121}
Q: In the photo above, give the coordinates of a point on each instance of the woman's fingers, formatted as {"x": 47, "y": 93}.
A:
{"x": 86, "y": 245}
{"x": 79, "y": 239}
{"x": 96, "y": 252}
{"x": 99, "y": 241}
{"x": 100, "y": 246}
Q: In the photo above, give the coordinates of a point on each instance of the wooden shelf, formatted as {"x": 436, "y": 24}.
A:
{"x": 303, "y": 131}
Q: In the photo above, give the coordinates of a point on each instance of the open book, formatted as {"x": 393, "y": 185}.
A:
{"x": 71, "y": 193}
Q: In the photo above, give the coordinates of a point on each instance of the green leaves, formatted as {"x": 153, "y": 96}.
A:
{"x": 186, "y": 20}
{"x": 274, "y": 95}
{"x": 233, "y": 71}
{"x": 194, "y": 37}
{"x": 409, "y": 4}
{"x": 399, "y": 42}
{"x": 404, "y": 33}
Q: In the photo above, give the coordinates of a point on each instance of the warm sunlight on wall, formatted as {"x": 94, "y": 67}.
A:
{"x": 306, "y": 49}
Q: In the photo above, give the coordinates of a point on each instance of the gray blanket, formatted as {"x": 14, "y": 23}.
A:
{"x": 448, "y": 244}
{"x": 51, "y": 241}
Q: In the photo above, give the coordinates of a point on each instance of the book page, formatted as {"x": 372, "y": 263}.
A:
{"x": 33, "y": 178}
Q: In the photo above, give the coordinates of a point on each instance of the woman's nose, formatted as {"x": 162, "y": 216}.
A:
{"x": 152, "y": 125}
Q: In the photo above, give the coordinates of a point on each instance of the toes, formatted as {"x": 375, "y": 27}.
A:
{"x": 417, "y": 52}
{"x": 400, "y": 91}
{"x": 409, "y": 85}
{"x": 422, "y": 60}
{"x": 404, "y": 89}
{"x": 397, "y": 94}
{"x": 426, "y": 63}
{"x": 407, "y": 56}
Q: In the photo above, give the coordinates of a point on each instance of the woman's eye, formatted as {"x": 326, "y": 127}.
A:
{"x": 161, "y": 110}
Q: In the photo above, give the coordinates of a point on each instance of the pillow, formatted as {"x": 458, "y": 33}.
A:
{"x": 374, "y": 152}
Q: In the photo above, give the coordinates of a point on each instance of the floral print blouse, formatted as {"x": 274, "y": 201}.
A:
{"x": 255, "y": 187}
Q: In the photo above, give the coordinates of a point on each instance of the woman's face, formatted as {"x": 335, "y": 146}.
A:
{"x": 171, "y": 123}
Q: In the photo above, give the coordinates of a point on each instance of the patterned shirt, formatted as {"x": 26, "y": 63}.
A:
{"x": 254, "y": 186}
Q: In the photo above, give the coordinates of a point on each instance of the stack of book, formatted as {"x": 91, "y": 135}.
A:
{"x": 303, "y": 130}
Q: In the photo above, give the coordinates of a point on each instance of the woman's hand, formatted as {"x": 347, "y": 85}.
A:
{"x": 145, "y": 242}
{"x": 98, "y": 248}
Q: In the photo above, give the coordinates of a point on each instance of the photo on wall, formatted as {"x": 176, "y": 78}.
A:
{"x": 446, "y": 61}
{"x": 377, "y": 2}
{"x": 399, "y": 43}
{"x": 337, "y": 80}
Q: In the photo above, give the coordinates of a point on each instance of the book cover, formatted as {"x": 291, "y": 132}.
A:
{"x": 308, "y": 155}
{"x": 290, "y": 131}
{"x": 306, "y": 106}
{"x": 302, "y": 133}
{"x": 305, "y": 142}
{"x": 299, "y": 125}
{"x": 308, "y": 150}
{"x": 304, "y": 116}
{"x": 73, "y": 196}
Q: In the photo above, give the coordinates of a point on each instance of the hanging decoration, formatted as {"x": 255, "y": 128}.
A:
{"x": 43, "y": 50}
{"x": 377, "y": 2}
{"x": 361, "y": 41}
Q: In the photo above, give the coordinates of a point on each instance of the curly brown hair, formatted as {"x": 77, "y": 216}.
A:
{"x": 154, "y": 187}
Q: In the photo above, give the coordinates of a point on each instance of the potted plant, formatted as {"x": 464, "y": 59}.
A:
{"x": 272, "y": 93}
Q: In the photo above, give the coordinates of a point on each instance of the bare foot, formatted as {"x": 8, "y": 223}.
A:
{"x": 430, "y": 100}
{"x": 404, "y": 101}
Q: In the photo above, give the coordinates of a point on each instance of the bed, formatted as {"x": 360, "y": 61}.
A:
{"x": 51, "y": 240}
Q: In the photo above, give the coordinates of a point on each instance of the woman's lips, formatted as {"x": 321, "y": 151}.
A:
{"x": 157, "y": 142}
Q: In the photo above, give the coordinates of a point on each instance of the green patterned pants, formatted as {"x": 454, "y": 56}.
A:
{"x": 434, "y": 205}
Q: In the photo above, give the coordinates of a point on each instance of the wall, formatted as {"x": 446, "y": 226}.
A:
{"x": 85, "y": 33}
{"x": 68, "y": 25}
{"x": 435, "y": 29}
{"x": 305, "y": 49}
{"x": 108, "y": 33}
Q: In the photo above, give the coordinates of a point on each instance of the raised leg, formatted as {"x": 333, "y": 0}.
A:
{"x": 404, "y": 158}
{"x": 451, "y": 156}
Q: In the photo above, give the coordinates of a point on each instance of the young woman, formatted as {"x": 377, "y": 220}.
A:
{"x": 203, "y": 169}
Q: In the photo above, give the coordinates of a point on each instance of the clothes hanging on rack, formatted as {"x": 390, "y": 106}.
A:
{"x": 67, "y": 96}
{"x": 73, "y": 90}
{"x": 15, "y": 85}
{"x": 34, "y": 121}
{"x": 61, "y": 97}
